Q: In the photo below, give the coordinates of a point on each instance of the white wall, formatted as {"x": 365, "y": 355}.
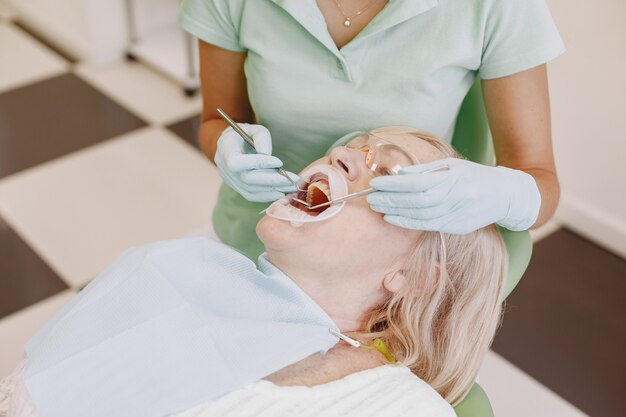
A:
{"x": 107, "y": 30}
{"x": 108, "y": 24}
{"x": 588, "y": 93}
{"x": 155, "y": 14}
{"x": 94, "y": 30}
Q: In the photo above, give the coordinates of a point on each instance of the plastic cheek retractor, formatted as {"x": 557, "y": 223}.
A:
{"x": 284, "y": 210}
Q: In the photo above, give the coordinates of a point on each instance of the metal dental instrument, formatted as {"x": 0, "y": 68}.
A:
{"x": 250, "y": 142}
{"x": 368, "y": 190}
{"x": 345, "y": 198}
{"x": 349, "y": 340}
{"x": 308, "y": 205}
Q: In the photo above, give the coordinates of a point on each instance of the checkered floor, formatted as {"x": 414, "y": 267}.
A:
{"x": 95, "y": 160}
{"x": 92, "y": 161}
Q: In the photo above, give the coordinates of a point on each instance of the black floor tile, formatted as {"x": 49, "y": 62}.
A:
{"x": 54, "y": 117}
{"x": 188, "y": 130}
{"x": 565, "y": 323}
{"x": 24, "y": 277}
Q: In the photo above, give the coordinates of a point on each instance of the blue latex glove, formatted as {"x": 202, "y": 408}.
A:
{"x": 465, "y": 198}
{"x": 252, "y": 174}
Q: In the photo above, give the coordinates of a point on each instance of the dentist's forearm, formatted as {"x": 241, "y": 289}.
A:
{"x": 223, "y": 84}
{"x": 518, "y": 108}
{"x": 210, "y": 132}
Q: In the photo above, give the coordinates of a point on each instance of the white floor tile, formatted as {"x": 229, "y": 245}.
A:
{"x": 513, "y": 393}
{"x": 18, "y": 328}
{"x": 547, "y": 229}
{"x": 6, "y": 11}
{"x": 81, "y": 211}
{"x": 142, "y": 90}
{"x": 24, "y": 60}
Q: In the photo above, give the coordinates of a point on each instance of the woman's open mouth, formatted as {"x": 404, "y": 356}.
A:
{"x": 322, "y": 183}
{"x": 317, "y": 192}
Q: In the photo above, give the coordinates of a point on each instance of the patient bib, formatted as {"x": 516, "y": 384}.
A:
{"x": 168, "y": 326}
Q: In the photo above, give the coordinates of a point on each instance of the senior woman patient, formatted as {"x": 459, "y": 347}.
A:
{"x": 190, "y": 327}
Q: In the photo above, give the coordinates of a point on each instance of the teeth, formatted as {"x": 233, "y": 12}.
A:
{"x": 322, "y": 186}
{"x": 313, "y": 197}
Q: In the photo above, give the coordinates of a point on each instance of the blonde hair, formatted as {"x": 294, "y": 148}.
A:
{"x": 442, "y": 322}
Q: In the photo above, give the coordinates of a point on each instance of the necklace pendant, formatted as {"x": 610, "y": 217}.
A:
{"x": 347, "y": 23}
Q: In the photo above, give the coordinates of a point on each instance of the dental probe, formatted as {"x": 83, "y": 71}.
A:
{"x": 250, "y": 141}
{"x": 345, "y": 198}
{"x": 369, "y": 190}
{"x": 349, "y": 340}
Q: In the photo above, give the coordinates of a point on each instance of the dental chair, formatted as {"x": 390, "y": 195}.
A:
{"x": 472, "y": 138}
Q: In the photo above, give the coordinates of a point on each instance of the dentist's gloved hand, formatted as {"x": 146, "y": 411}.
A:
{"x": 465, "y": 198}
{"x": 252, "y": 174}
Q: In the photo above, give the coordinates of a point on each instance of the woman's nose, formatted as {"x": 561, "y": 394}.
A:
{"x": 349, "y": 161}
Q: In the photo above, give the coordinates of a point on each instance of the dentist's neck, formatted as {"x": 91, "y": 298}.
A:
{"x": 347, "y": 296}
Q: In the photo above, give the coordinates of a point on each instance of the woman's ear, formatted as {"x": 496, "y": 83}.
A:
{"x": 394, "y": 281}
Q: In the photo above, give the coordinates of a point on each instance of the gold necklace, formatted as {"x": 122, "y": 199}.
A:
{"x": 347, "y": 22}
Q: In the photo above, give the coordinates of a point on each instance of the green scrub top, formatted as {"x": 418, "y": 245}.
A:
{"x": 411, "y": 65}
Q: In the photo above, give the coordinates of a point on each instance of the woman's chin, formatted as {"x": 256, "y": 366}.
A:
{"x": 279, "y": 234}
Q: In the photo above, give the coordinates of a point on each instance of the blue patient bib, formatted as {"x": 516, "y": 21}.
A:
{"x": 168, "y": 326}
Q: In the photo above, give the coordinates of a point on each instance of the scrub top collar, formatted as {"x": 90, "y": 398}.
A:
{"x": 308, "y": 14}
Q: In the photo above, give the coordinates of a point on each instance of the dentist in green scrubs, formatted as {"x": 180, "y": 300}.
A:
{"x": 299, "y": 74}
